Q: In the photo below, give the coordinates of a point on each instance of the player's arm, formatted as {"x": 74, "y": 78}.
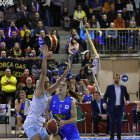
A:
{"x": 63, "y": 76}
{"x": 40, "y": 87}
{"x": 48, "y": 108}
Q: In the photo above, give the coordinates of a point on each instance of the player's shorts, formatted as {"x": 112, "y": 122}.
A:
{"x": 23, "y": 116}
{"x": 33, "y": 131}
{"x": 69, "y": 132}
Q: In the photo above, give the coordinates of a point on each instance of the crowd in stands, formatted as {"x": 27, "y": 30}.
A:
{"x": 22, "y": 33}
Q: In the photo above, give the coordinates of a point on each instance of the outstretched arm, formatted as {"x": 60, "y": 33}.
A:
{"x": 63, "y": 76}
{"x": 136, "y": 102}
{"x": 40, "y": 87}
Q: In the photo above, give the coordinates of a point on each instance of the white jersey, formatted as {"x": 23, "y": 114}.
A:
{"x": 37, "y": 107}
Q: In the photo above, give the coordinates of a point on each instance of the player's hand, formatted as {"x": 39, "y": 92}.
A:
{"x": 69, "y": 64}
{"x": 45, "y": 50}
{"x": 105, "y": 106}
{"x": 126, "y": 103}
{"x": 61, "y": 123}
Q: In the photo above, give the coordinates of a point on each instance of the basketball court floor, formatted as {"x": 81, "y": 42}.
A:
{"x": 83, "y": 138}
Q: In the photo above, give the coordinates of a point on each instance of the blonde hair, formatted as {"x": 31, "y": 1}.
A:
{"x": 19, "y": 50}
{"x": 72, "y": 31}
{"x": 73, "y": 80}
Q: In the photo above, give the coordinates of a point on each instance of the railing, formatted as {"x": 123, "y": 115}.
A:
{"x": 125, "y": 39}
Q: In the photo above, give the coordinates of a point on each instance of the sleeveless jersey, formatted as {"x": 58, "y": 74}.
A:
{"x": 61, "y": 110}
{"x": 88, "y": 98}
{"x": 37, "y": 107}
{"x": 21, "y": 112}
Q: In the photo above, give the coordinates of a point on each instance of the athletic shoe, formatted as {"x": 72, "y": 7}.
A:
{"x": 96, "y": 134}
{"x": 130, "y": 49}
{"x": 20, "y": 135}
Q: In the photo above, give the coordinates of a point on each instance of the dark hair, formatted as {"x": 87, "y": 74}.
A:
{"x": 72, "y": 40}
{"x": 56, "y": 33}
{"x": 25, "y": 35}
{"x": 82, "y": 70}
{"x": 10, "y": 7}
{"x": 51, "y": 83}
{"x": 116, "y": 75}
{"x": 78, "y": 6}
{"x": 97, "y": 92}
{"x": 91, "y": 21}
{"x": 74, "y": 94}
{"x": 92, "y": 82}
{"x": 22, "y": 91}
{"x": 64, "y": 68}
{"x": 86, "y": 54}
{"x": 83, "y": 20}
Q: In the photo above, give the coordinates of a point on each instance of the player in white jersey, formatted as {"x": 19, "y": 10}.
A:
{"x": 33, "y": 124}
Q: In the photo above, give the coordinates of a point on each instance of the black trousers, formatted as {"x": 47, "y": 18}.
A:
{"x": 56, "y": 15}
{"x": 111, "y": 42}
{"x": 96, "y": 121}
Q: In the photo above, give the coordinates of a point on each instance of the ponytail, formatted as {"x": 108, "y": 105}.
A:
{"x": 74, "y": 94}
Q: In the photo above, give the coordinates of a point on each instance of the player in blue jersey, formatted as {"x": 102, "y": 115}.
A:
{"x": 87, "y": 97}
{"x": 33, "y": 124}
{"x": 63, "y": 108}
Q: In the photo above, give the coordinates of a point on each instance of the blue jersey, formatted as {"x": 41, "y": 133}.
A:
{"x": 61, "y": 110}
{"x": 88, "y": 98}
{"x": 21, "y": 112}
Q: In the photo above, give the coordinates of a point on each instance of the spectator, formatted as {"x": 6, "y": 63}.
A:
{"x": 19, "y": 88}
{"x": 81, "y": 88}
{"x": 3, "y": 55}
{"x": 16, "y": 52}
{"x": 3, "y": 48}
{"x": 73, "y": 85}
{"x": 82, "y": 22}
{"x": 112, "y": 14}
{"x": 81, "y": 76}
{"x": 99, "y": 113}
{"x": 104, "y": 23}
{"x": 73, "y": 35}
{"x": 12, "y": 28}
{"x": 87, "y": 98}
{"x": 22, "y": 32}
{"x": 29, "y": 88}
{"x": 26, "y": 75}
{"x": 125, "y": 16}
{"x": 92, "y": 87}
{"x": 119, "y": 5}
{"x": 69, "y": 76}
{"x": 79, "y": 14}
{"x": 10, "y": 16}
{"x": 8, "y": 87}
{"x": 102, "y": 12}
{"x": 132, "y": 10}
{"x": 39, "y": 28}
{"x": 119, "y": 22}
{"x": 13, "y": 40}
{"x": 51, "y": 63}
{"x": 55, "y": 33}
{"x": 66, "y": 18}
{"x": 2, "y": 37}
{"x": 36, "y": 4}
{"x": 97, "y": 6}
{"x": 32, "y": 13}
{"x": 132, "y": 35}
{"x": 111, "y": 37}
{"x": 133, "y": 19}
{"x": 83, "y": 35}
{"x": 22, "y": 105}
{"x": 73, "y": 51}
{"x": 95, "y": 24}
{"x": 21, "y": 5}
{"x": 55, "y": 77}
{"x": 89, "y": 14}
{"x": 27, "y": 44}
{"x": 22, "y": 18}
{"x": 107, "y": 5}
{"x": 35, "y": 21}
{"x": 57, "y": 11}
{"x": 33, "y": 53}
{"x": 2, "y": 24}
{"x": 87, "y": 64}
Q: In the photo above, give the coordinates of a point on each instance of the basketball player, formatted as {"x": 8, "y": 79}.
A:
{"x": 33, "y": 124}
{"x": 63, "y": 108}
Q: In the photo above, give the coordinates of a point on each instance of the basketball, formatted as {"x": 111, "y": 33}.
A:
{"x": 52, "y": 126}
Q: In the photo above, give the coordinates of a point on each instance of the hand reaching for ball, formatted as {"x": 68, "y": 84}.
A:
{"x": 61, "y": 123}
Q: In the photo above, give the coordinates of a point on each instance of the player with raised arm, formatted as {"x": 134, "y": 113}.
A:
{"x": 63, "y": 109}
{"x": 33, "y": 124}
